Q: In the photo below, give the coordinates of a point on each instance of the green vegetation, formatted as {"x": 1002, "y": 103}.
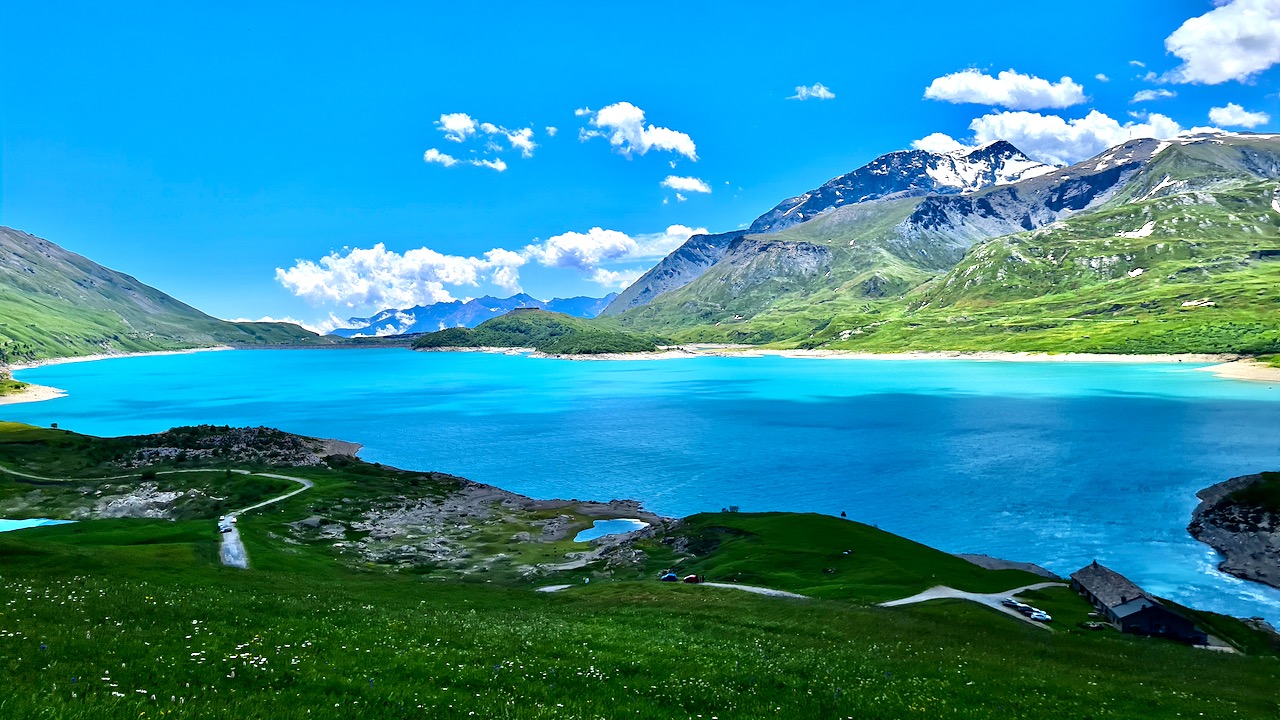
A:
{"x": 54, "y": 303}
{"x": 9, "y": 386}
{"x": 135, "y": 618}
{"x": 1262, "y": 494}
{"x": 547, "y": 332}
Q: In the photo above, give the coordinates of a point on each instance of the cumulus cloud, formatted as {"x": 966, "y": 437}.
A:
{"x": 938, "y": 143}
{"x": 1008, "y": 89}
{"x": 520, "y": 139}
{"x": 379, "y": 278}
{"x": 456, "y": 126}
{"x": 1234, "y": 41}
{"x": 1149, "y": 95}
{"x": 1058, "y": 141}
{"x": 582, "y": 251}
{"x": 435, "y": 156}
{"x": 817, "y": 91}
{"x": 495, "y": 163}
{"x": 619, "y": 279}
{"x": 624, "y": 125}
{"x": 1235, "y": 116}
{"x": 686, "y": 184}
{"x": 1101, "y": 77}
{"x": 552, "y": 130}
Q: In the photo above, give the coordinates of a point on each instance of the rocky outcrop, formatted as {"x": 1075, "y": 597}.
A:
{"x": 1245, "y": 534}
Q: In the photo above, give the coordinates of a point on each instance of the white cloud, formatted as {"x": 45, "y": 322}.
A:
{"x": 1008, "y": 89}
{"x": 938, "y": 143}
{"x": 615, "y": 278}
{"x": 687, "y": 184}
{"x": 582, "y": 112}
{"x": 1234, "y": 41}
{"x": 520, "y": 139}
{"x": 435, "y": 156}
{"x": 456, "y": 126}
{"x": 378, "y": 278}
{"x": 1235, "y": 116}
{"x": 818, "y": 91}
{"x": 1149, "y": 95}
{"x": 1137, "y": 63}
{"x": 680, "y": 198}
{"x": 623, "y": 124}
{"x": 583, "y": 251}
{"x": 1101, "y": 77}
{"x": 1053, "y": 139}
{"x": 552, "y": 130}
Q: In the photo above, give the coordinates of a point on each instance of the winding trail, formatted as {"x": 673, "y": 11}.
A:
{"x": 231, "y": 549}
{"x": 992, "y": 600}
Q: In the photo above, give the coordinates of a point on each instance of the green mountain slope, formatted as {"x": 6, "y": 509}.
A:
{"x": 1180, "y": 252}
{"x": 548, "y": 332}
{"x": 55, "y": 303}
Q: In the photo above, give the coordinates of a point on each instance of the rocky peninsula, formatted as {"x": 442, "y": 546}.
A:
{"x": 1240, "y": 518}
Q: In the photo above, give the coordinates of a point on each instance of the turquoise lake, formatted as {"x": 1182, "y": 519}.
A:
{"x": 1053, "y": 463}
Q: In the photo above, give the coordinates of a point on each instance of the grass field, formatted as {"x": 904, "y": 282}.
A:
{"x": 134, "y": 618}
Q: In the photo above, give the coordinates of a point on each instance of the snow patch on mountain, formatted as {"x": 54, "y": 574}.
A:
{"x": 908, "y": 173}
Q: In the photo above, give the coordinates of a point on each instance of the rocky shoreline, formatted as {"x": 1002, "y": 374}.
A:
{"x": 1247, "y": 537}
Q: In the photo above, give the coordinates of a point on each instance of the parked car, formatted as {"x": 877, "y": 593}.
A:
{"x": 1011, "y": 603}
{"x": 693, "y": 579}
{"x": 224, "y": 528}
{"x": 1040, "y": 616}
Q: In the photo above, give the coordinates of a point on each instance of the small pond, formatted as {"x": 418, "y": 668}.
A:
{"x": 7, "y": 525}
{"x": 610, "y": 527}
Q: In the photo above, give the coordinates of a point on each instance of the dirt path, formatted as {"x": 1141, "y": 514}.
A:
{"x": 757, "y": 590}
{"x": 992, "y": 600}
{"x": 231, "y": 548}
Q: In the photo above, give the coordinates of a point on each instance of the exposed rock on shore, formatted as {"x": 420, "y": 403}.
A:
{"x": 1245, "y": 530}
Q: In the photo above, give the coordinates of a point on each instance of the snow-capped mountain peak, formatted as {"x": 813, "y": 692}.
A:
{"x": 908, "y": 173}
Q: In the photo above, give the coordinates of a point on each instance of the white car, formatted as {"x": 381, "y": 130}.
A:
{"x": 1040, "y": 616}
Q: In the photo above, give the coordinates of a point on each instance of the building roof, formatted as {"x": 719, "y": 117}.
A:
{"x": 1110, "y": 587}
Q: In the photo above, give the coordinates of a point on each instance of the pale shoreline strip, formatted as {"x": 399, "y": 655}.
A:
{"x": 39, "y": 393}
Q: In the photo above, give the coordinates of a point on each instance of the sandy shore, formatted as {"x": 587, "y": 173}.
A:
{"x": 32, "y": 393}
{"x": 1258, "y": 371}
{"x": 1246, "y": 370}
{"x": 107, "y": 356}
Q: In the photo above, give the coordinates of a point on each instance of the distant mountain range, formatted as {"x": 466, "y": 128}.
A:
{"x": 438, "y": 316}
{"x": 1151, "y": 246}
{"x": 55, "y": 303}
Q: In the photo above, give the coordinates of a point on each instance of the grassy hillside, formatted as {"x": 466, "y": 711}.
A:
{"x": 551, "y": 333}
{"x": 126, "y": 618}
{"x": 54, "y": 303}
{"x": 1183, "y": 257}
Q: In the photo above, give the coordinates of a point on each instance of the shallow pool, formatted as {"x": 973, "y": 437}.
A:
{"x": 602, "y": 528}
{"x": 7, "y": 525}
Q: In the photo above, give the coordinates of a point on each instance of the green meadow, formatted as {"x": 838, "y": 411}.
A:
{"x": 131, "y": 618}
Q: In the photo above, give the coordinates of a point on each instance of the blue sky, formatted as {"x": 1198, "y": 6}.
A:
{"x": 201, "y": 147}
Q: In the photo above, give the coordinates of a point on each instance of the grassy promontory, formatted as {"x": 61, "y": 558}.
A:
{"x": 546, "y": 332}
{"x": 9, "y": 386}
{"x": 133, "y": 617}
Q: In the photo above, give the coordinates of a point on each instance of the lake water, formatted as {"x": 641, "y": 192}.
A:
{"x": 601, "y": 528}
{"x": 1053, "y": 463}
